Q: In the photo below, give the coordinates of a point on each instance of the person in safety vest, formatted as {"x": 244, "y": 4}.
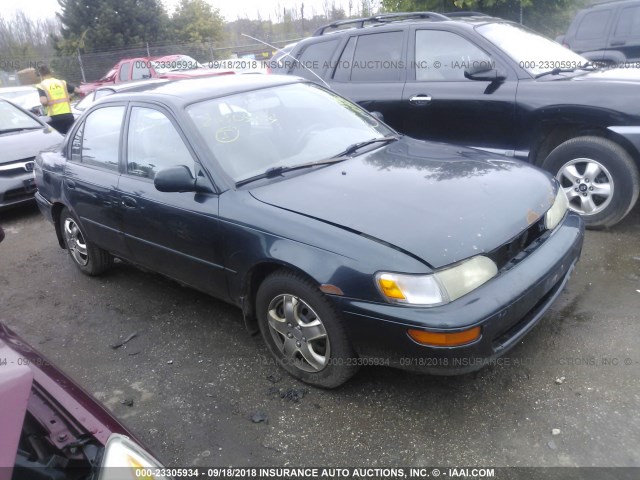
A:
{"x": 54, "y": 95}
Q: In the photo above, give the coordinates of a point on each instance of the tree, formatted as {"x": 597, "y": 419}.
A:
{"x": 90, "y": 25}
{"x": 195, "y": 21}
{"x": 550, "y": 17}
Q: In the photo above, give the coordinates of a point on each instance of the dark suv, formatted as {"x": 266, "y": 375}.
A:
{"x": 494, "y": 85}
{"x": 608, "y": 33}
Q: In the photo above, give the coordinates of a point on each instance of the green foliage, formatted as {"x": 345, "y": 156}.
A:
{"x": 196, "y": 21}
{"x": 91, "y": 25}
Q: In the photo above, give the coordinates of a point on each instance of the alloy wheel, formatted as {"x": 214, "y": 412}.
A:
{"x": 587, "y": 184}
{"x": 75, "y": 242}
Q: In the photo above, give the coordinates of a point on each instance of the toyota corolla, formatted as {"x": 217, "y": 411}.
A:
{"x": 343, "y": 242}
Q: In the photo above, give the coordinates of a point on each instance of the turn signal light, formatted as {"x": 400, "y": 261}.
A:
{"x": 439, "y": 339}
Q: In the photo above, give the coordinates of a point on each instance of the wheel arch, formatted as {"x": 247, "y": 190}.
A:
{"x": 56, "y": 210}
{"x": 251, "y": 283}
{"x": 554, "y": 134}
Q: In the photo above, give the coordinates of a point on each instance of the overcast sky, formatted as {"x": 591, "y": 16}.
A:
{"x": 231, "y": 9}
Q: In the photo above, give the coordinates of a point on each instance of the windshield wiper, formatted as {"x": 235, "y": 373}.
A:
{"x": 9, "y": 130}
{"x": 351, "y": 149}
{"x": 557, "y": 71}
{"x": 277, "y": 171}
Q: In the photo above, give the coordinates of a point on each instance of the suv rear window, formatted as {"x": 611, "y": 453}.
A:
{"x": 593, "y": 25}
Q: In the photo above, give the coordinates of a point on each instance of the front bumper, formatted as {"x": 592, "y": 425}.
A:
{"x": 16, "y": 189}
{"x": 506, "y": 307}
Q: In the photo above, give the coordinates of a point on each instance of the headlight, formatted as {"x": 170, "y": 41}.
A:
{"x": 557, "y": 211}
{"x": 436, "y": 289}
{"x": 124, "y": 459}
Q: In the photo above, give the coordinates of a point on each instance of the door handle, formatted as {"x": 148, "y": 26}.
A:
{"x": 128, "y": 202}
{"x": 420, "y": 99}
{"x": 618, "y": 43}
{"x": 71, "y": 184}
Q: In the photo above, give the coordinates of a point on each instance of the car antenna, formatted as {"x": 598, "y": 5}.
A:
{"x": 287, "y": 55}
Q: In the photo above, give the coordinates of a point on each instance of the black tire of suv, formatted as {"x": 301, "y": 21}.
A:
{"x": 342, "y": 360}
{"x": 97, "y": 259}
{"x": 621, "y": 167}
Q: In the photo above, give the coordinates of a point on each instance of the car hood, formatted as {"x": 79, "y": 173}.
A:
{"x": 437, "y": 202}
{"x": 27, "y": 143}
{"x": 619, "y": 75}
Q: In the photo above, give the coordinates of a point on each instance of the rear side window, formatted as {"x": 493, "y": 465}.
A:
{"x": 593, "y": 25}
{"x": 628, "y": 23}
{"x": 315, "y": 58}
{"x": 343, "y": 68}
{"x": 97, "y": 141}
{"x": 378, "y": 58}
{"x": 124, "y": 71}
{"x": 444, "y": 56}
{"x": 154, "y": 144}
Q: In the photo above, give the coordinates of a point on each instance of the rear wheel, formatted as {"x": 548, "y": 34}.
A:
{"x": 90, "y": 259}
{"x": 304, "y": 331}
{"x": 599, "y": 177}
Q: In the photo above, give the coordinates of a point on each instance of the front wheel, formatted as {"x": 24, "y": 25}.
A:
{"x": 599, "y": 177}
{"x": 90, "y": 259}
{"x": 304, "y": 331}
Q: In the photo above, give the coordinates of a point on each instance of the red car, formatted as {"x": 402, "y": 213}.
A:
{"x": 170, "y": 66}
{"x": 51, "y": 428}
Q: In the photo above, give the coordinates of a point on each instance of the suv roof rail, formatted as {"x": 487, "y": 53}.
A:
{"x": 382, "y": 18}
{"x": 466, "y": 13}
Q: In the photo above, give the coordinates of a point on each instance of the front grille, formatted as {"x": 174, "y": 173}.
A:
{"x": 518, "y": 248}
{"x": 17, "y": 167}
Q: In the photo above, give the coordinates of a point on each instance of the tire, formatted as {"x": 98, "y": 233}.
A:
{"x": 599, "y": 176}
{"x": 90, "y": 259}
{"x": 328, "y": 360}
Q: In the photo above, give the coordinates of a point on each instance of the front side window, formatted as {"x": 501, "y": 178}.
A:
{"x": 444, "y": 56}
{"x": 100, "y": 138}
{"x": 593, "y": 25}
{"x": 153, "y": 144}
{"x": 140, "y": 70}
{"x": 280, "y": 126}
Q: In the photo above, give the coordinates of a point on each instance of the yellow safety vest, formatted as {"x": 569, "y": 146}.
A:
{"x": 57, "y": 96}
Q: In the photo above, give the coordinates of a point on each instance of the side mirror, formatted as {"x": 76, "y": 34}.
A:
{"x": 175, "y": 179}
{"x": 485, "y": 74}
{"x": 378, "y": 115}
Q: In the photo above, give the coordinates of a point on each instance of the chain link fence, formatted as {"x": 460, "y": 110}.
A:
{"x": 92, "y": 66}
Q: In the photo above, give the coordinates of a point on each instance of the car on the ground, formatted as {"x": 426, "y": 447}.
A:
{"x": 607, "y": 33}
{"x": 144, "y": 68}
{"x": 342, "y": 241}
{"x": 25, "y": 96}
{"x": 22, "y": 136}
{"x": 487, "y": 83}
{"x": 52, "y": 428}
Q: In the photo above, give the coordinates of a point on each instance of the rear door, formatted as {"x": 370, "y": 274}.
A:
{"x": 439, "y": 103}
{"x": 625, "y": 36}
{"x": 176, "y": 234}
{"x": 371, "y": 71}
{"x": 92, "y": 173}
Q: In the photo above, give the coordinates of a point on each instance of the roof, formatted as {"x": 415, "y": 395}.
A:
{"x": 189, "y": 90}
{"x": 404, "y": 17}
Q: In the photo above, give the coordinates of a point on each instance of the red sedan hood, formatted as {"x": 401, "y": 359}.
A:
{"x": 15, "y": 388}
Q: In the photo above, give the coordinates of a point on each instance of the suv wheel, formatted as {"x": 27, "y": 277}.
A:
{"x": 304, "y": 331}
{"x": 599, "y": 177}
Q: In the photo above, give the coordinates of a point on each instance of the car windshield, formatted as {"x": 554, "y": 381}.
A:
{"x": 282, "y": 126}
{"x": 11, "y": 118}
{"x": 533, "y": 52}
{"x": 172, "y": 64}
